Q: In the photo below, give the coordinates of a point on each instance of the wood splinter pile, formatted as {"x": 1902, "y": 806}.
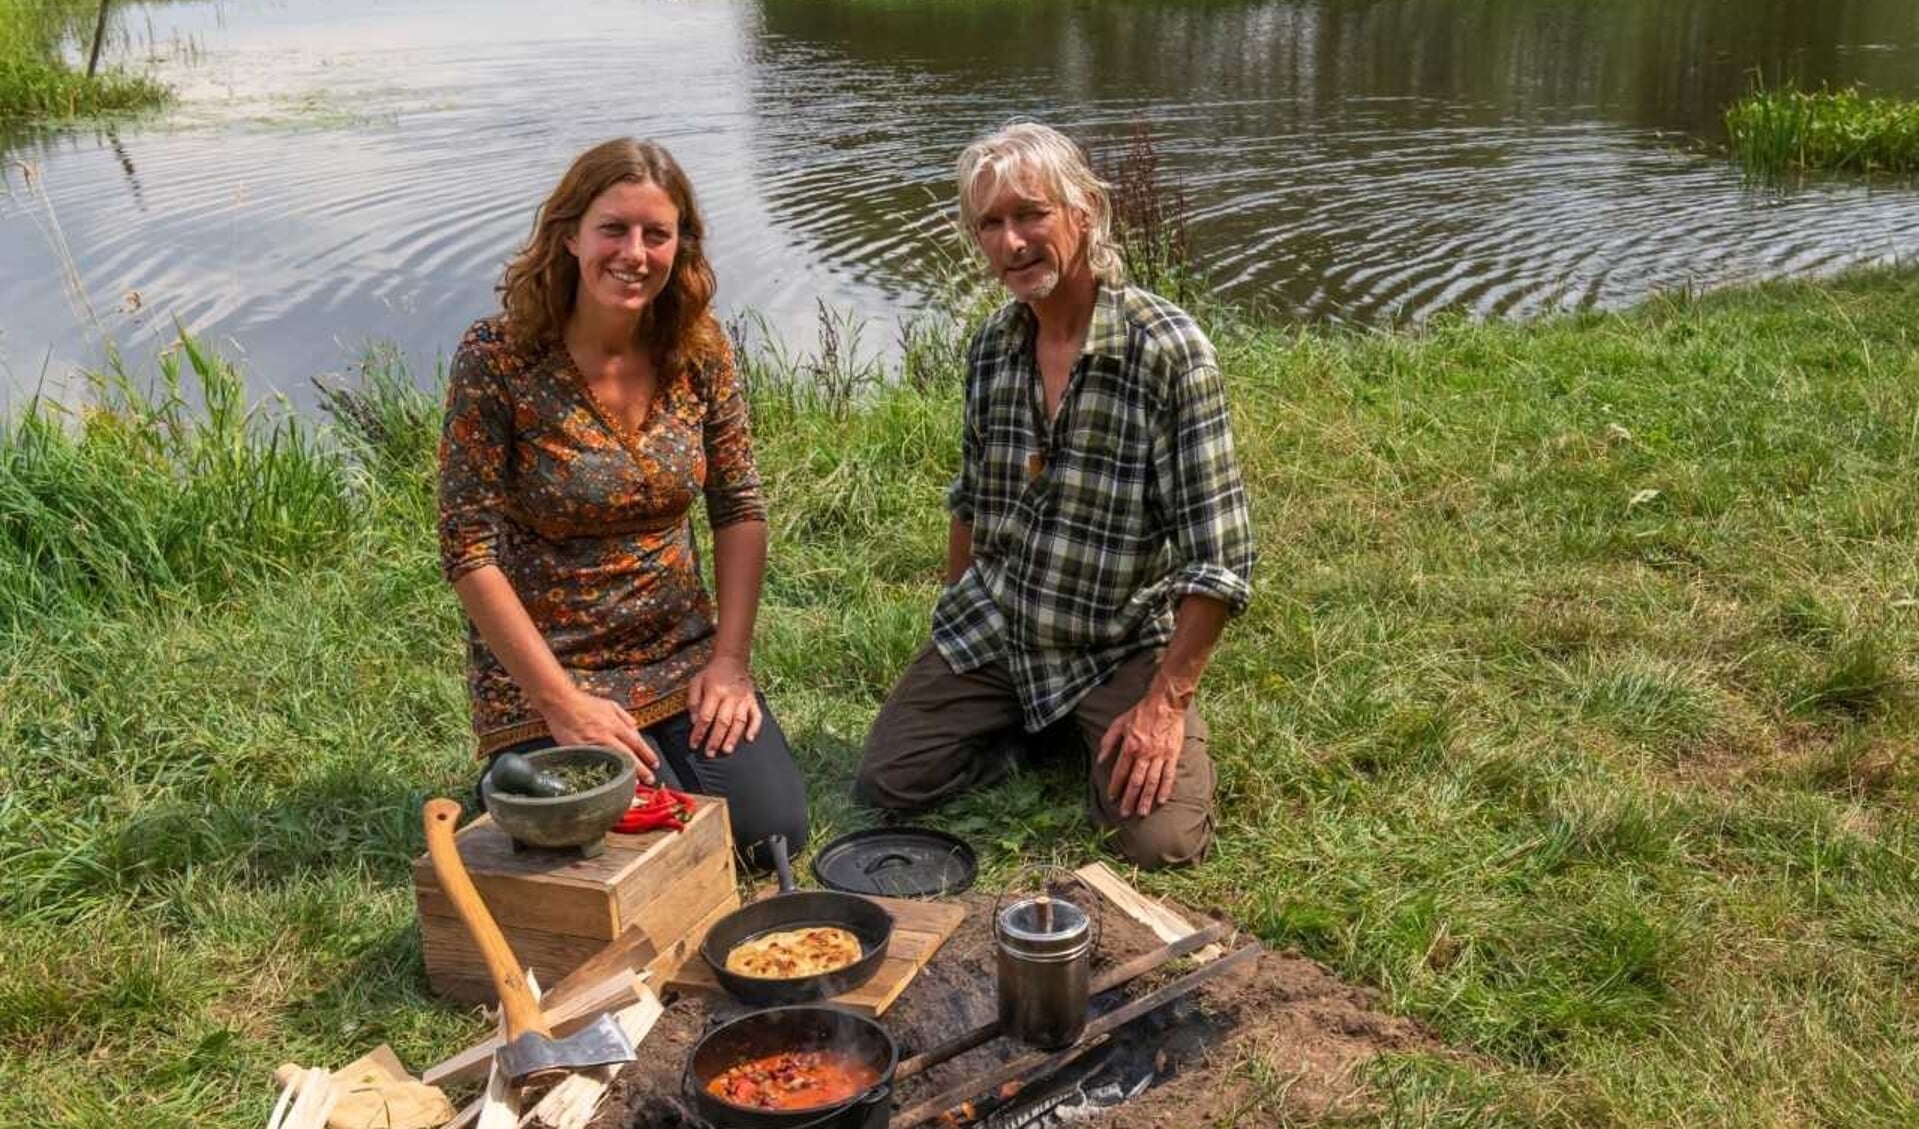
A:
{"x": 376, "y": 1092}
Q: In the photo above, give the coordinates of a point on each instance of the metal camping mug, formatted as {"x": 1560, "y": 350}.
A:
{"x": 1045, "y": 970}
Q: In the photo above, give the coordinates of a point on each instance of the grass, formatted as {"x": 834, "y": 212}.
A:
{"x": 1788, "y": 131}
{"x": 38, "y": 84}
{"x": 1575, "y": 712}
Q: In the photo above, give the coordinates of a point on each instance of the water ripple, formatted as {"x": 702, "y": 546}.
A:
{"x": 363, "y": 168}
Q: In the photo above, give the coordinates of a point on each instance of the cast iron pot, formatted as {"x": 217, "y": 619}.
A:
{"x": 801, "y": 1028}
{"x": 798, "y": 909}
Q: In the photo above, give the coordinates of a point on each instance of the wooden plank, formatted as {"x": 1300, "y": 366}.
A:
{"x": 587, "y": 897}
{"x": 558, "y": 910}
{"x": 572, "y": 913}
{"x": 455, "y": 968}
{"x": 676, "y": 956}
{"x": 488, "y": 850}
{"x": 316, "y": 1094}
{"x": 1166, "y": 923}
{"x": 668, "y": 910}
{"x": 499, "y": 1106}
{"x": 700, "y": 877}
{"x": 565, "y": 1016}
{"x": 623, "y": 956}
{"x": 919, "y": 929}
{"x": 570, "y": 1105}
{"x": 701, "y": 855}
{"x": 564, "y": 892}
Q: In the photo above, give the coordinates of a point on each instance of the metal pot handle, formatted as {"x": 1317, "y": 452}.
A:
{"x": 887, "y": 861}
{"x": 777, "y": 845}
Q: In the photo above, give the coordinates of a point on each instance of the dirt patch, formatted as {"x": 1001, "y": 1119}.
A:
{"x": 1280, "y": 1032}
{"x": 1297, "y": 1035}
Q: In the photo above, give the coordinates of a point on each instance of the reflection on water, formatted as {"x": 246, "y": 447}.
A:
{"x": 361, "y": 168}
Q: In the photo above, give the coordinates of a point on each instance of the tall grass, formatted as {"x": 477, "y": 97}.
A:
{"x": 1574, "y": 712}
{"x": 177, "y": 491}
{"x": 37, "y": 82}
{"x": 1782, "y": 131}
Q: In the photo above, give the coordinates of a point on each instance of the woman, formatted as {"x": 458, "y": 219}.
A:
{"x": 581, "y": 423}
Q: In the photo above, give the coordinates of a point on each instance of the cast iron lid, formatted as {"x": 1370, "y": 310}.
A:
{"x": 896, "y": 862}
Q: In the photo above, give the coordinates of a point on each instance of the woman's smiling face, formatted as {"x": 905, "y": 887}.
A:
{"x": 625, "y": 245}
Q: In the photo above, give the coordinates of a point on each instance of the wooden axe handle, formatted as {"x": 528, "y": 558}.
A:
{"x": 523, "y": 1012}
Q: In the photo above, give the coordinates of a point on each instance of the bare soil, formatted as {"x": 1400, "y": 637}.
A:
{"x": 1281, "y": 1032}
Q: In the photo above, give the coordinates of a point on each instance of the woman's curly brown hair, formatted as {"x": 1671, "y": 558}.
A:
{"x": 540, "y": 284}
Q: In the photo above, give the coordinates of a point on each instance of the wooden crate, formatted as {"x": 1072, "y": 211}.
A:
{"x": 557, "y": 909}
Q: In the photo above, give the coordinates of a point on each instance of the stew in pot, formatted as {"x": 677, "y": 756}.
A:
{"x": 794, "y": 1080}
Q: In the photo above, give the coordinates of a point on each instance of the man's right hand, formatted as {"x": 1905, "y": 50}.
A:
{"x": 580, "y": 718}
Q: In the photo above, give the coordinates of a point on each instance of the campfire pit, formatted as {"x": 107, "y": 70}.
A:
{"x": 1144, "y": 1054}
{"x": 1179, "y": 1061}
{"x": 1028, "y": 1069}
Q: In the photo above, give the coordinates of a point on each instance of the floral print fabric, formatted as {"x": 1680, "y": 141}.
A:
{"x": 589, "y": 520}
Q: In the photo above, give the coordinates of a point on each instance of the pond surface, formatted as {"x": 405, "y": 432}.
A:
{"x": 340, "y": 171}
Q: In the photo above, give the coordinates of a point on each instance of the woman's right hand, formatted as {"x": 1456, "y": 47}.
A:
{"x": 580, "y": 718}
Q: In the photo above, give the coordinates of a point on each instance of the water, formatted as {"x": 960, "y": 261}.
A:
{"x": 342, "y": 171}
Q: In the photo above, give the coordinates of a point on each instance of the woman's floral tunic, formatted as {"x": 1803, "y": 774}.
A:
{"x": 588, "y": 519}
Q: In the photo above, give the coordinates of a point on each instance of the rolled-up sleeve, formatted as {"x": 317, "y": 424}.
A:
{"x": 961, "y": 496}
{"x": 476, "y": 435}
{"x": 1199, "y": 483}
{"x": 732, "y": 484}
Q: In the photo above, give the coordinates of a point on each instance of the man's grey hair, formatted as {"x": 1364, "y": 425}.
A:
{"x": 1043, "y": 161}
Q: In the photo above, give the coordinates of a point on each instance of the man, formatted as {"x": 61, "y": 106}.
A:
{"x": 1100, "y": 536}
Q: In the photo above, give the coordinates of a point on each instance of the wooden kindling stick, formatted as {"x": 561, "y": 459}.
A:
{"x": 621, "y": 990}
{"x": 1029, "y": 1068}
{"x": 1144, "y": 963}
{"x": 570, "y": 1105}
{"x": 1106, "y": 981}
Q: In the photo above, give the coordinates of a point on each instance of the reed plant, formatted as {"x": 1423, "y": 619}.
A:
{"x": 177, "y": 490}
{"x": 1774, "y": 133}
{"x": 1573, "y": 713}
{"x": 1151, "y": 219}
{"x": 38, "y": 83}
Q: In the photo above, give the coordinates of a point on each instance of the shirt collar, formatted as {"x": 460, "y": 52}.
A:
{"x": 1105, "y": 333}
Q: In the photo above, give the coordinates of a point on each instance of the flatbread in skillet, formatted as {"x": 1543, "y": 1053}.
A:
{"x": 789, "y": 953}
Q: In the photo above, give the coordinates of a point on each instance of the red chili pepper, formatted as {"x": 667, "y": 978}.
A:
{"x": 655, "y": 809}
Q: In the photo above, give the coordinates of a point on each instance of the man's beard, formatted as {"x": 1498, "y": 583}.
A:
{"x": 1042, "y": 289}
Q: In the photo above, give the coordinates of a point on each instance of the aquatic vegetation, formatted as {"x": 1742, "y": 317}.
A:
{"x": 37, "y": 89}
{"x": 36, "y": 81}
{"x": 1777, "y": 132}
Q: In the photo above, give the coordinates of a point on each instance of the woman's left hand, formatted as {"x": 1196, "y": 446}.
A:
{"x": 724, "y": 708}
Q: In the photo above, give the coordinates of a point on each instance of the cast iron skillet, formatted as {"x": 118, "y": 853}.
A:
{"x": 796, "y": 909}
{"x": 794, "y": 1029}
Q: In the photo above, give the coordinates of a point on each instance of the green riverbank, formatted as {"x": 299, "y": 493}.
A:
{"x": 1576, "y": 712}
{"x": 36, "y": 81}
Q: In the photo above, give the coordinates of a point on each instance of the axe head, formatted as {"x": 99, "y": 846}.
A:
{"x": 599, "y": 1043}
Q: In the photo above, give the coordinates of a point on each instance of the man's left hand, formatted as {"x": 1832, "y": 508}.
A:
{"x": 724, "y": 710}
{"x": 1146, "y": 740}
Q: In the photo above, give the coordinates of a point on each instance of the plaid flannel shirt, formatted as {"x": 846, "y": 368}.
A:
{"x": 1088, "y": 530}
